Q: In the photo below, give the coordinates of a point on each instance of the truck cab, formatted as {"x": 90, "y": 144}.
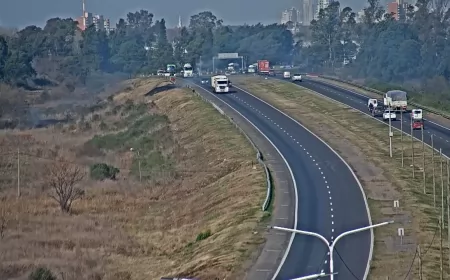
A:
{"x": 220, "y": 84}
{"x": 417, "y": 119}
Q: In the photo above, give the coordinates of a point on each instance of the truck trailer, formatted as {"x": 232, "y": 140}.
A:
{"x": 396, "y": 100}
{"x": 263, "y": 67}
{"x": 220, "y": 84}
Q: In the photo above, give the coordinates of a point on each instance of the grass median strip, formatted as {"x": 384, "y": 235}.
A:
{"x": 364, "y": 143}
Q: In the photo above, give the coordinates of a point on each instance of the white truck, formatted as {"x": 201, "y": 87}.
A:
{"x": 417, "y": 119}
{"x": 220, "y": 83}
{"x": 375, "y": 107}
{"x": 252, "y": 68}
{"x": 389, "y": 114}
{"x": 396, "y": 99}
{"x": 286, "y": 74}
{"x": 188, "y": 71}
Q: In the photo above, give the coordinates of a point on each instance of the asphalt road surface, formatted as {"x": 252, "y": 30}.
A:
{"x": 330, "y": 199}
{"x": 441, "y": 134}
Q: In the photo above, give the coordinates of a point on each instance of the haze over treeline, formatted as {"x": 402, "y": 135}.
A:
{"x": 413, "y": 52}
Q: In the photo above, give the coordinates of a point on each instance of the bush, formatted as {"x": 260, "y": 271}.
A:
{"x": 203, "y": 235}
{"x": 41, "y": 273}
{"x": 102, "y": 171}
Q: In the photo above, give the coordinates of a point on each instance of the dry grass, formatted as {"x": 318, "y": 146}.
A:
{"x": 125, "y": 229}
{"x": 363, "y": 142}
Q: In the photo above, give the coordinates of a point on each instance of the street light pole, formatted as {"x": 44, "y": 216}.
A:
{"x": 333, "y": 243}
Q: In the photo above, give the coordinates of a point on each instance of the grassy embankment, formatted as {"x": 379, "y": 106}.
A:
{"x": 363, "y": 142}
{"x": 196, "y": 211}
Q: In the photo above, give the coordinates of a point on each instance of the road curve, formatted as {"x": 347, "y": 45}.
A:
{"x": 330, "y": 199}
{"x": 441, "y": 134}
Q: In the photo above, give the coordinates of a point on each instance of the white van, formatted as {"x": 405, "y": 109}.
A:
{"x": 287, "y": 75}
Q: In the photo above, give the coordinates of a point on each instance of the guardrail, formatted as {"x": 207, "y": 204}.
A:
{"x": 259, "y": 156}
{"x": 425, "y": 108}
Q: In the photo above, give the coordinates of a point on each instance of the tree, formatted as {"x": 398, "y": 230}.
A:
{"x": 103, "y": 171}
{"x": 163, "y": 52}
{"x": 326, "y": 31}
{"x": 63, "y": 178}
{"x": 3, "y": 56}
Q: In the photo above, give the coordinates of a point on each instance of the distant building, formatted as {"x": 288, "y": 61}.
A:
{"x": 87, "y": 19}
{"x": 321, "y": 4}
{"x": 398, "y": 9}
{"x": 360, "y": 16}
{"x": 291, "y": 15}
{"x": 307, "y": 13}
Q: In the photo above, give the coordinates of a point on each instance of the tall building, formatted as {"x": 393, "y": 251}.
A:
{"x": 307, "y": 13}
{"x": 291, "y": 15}
{"x": 180, "y": 23}
{"x": 360, "y": 16}
{"x": 321, "y": 4}
{"x": 87, "y": 19}
{"x": 398, "y": 9}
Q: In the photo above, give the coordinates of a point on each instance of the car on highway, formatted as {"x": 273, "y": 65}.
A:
{"x": 297, "y": 78}
{"x": 389, "y": 114}
{"x": 204, "y": 81}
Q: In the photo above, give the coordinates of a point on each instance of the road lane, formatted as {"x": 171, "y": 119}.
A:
{"x": 330, "y": 198}
{"x": 440, "y": 133}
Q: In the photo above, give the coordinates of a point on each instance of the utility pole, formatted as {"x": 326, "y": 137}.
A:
{"x": 448, "y": 207}
{"x": 442, "y": 190}
{"x": 18, "y": 172}
{"x": 442, "y": 253}
{"x": 401, "y": 139}
{"x": 139, "y": 166}
{"x": 423, "y": 164}
{"x": 419, "y": 252}
{"x": 420, "y": 262}
{"x": 390, "y": 133}
{"x": 412, "y": 149}
{"x": 434, "y": 175}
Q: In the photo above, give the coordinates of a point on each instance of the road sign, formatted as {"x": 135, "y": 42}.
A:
{"x": 227, "y": 55}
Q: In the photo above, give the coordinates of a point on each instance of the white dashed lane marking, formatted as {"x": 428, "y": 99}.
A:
{"x": 307, "y": 153}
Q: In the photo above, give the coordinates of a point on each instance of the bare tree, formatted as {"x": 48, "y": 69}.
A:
{"x": 63, "y": 178}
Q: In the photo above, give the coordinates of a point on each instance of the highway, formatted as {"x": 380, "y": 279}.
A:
{"x": 330, "y": 199}
{"x": 441, "y": 134}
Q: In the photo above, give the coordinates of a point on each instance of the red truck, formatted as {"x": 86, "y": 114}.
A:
{"x": 263, "y": 67}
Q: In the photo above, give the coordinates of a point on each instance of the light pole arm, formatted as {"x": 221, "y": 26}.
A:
{"x": 314, "y": 276}
{"x": 359, "y": 230}
{"x": 324, "y": 240}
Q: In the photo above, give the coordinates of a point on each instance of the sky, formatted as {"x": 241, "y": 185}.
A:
{"x": 21, "y": 13}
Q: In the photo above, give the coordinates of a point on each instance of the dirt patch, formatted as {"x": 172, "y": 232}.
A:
{"x": 363, "y": 142}
{"x": 185, "y": 203}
